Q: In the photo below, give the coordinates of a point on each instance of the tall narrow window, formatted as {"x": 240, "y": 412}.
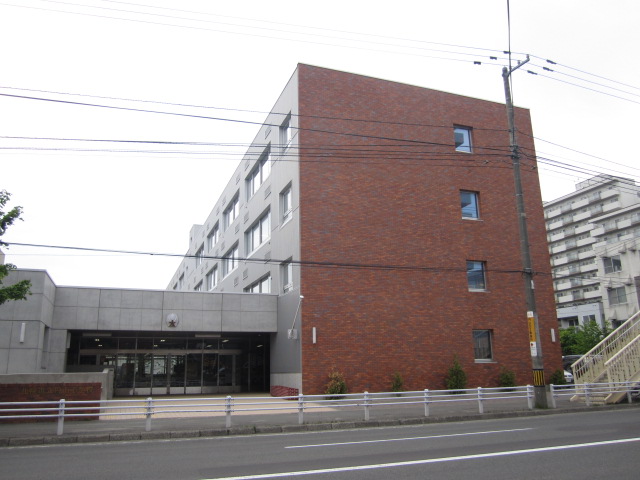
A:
{"x": 212, "y": 278}
{"x": 469, "y": 204}
{"x": 259, "y": 174}
{"x": 287, "y": 276}
{"x": 213, "y": 237}
{"x": 285, "y": 133}
{"x": 482, "y": 350}
{"x": 259, "y": 233}
{"x": 462, "y": 137}
{"x": 199, "y": 255}
{"x": 232, "y": 211}
{"x": 285, "y": 202}
{"x": 476, "y": 275}
{"x": 230, "y": 260}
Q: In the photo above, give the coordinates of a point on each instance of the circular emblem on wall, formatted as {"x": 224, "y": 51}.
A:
{"x": 172, "y": 320}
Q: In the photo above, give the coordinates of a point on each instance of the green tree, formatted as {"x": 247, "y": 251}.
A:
{"x": 20, "y": 290}
{"x": 579, "y": 340}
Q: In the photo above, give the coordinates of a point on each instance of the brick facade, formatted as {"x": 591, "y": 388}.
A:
{"x": 386, "y": 191}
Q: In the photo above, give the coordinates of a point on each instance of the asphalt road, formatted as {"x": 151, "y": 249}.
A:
{"x": 603, "y": 444}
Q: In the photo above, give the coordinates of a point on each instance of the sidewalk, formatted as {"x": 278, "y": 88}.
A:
{"x": 199, "y": 424}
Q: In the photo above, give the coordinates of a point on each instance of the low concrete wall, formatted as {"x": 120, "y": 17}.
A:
{"x": 29, "y": 387}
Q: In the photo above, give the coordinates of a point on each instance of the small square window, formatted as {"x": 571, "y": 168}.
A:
{"x": 482, "y": 349}
{"x": 612, "y": 264}
{"x": 469, "y": 204}
{"x": 617, "y": 296}
{"x": 462, "y": 137}
{"x": 476, "y": 279}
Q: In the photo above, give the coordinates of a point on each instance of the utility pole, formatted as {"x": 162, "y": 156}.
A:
{"x": 525, "y": 252}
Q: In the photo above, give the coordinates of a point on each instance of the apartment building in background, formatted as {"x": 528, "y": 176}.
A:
{"x": 592, "y": 234}
{"x": 383, "y": 217}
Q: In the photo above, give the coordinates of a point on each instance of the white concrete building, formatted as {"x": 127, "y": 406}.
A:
{"x": 574, "y": 225}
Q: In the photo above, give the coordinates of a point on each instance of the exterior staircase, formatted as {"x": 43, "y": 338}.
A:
{"x": 615, "y": 359}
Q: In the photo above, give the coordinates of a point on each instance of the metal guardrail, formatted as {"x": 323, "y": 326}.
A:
{"x": 594, "y": 393}
{"x": 150, "y": 408}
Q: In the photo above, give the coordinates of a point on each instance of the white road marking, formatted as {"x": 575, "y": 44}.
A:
{"x": 410, "y": 438}
{"x": 429, "y": 460}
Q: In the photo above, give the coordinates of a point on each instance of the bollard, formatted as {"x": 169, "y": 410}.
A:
{"x": 149, "y": 412}
{"x": 300, "y": 409}
{"x": 366, "y": 406}
{"x": 426, "y": 402}
{"x": 61, "y": 417}
{"x": 552, "y": 389}
{"x": 228, "y": 408}
{"x": 480, "y": 405}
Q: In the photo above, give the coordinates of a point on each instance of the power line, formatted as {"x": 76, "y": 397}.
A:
{"x": 305, "y": 263}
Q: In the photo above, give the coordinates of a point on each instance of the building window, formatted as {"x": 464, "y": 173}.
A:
{"x": 198, "y": 287}
{"x": 462, "y": 136}
{"x": 213, "y": 237}
{"x": 212, "y": 278}
{"x": 476, "y": 275}
{"x": 199, "y": 255}
{"x": 469, "y": 204}
{"x": 261, "y": 286}
{"x": 285, "y": 133}
{"x": 287, "y": 276}
{"x": 259, "y": 174}
{"x": 230, "y": 260}
{"x": 232, "y": 211}
{"x": 258, "y": 233}
{"x": 482, "y": 350}
{"x": 180, "y": 281}
{"x": 285, "y": 201}
{"x": 612, "y": 264}
{"x": 617, "y": 296}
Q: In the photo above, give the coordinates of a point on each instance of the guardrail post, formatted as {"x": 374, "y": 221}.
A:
{"x": 61, "y": 417}
{"x": 530, "y": 395}
{"x": 629, "y": 398}
{"x": 480, "y": 405}
{"x": 149, "y": 412}
{"x": 228, "y": 408}
{"x": 426, "y": 402}
{"x": 587, "y": 394}
{"x": 552, "y": 390}
{"x": 366, "y": 406}
{"x": 300, "y": 409}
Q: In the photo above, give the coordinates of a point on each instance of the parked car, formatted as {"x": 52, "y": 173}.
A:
{"x": 568, "y": 360}
{"x": 568, "y": 377}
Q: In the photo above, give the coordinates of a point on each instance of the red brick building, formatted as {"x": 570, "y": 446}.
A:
{"x": 391, "y": 209}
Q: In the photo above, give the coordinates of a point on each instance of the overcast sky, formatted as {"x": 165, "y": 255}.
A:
{"x": 231, "y": 60}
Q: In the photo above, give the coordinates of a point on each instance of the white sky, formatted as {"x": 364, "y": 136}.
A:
{"x": 145, "y": 197}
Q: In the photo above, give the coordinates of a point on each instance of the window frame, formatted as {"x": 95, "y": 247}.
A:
{"x": 466, "y": 146}
{"x": 212, "y": 278}
{"x": 615, "y": 293}
{"x": 260, "y": 283}
{"x": 213, "y": 236}
{"x": 478, "y": 348}
{"x": 612, "y": 264}
{"x": 259, "y": 173}
{"x": 285, "y": 133}
{"x": 232, "y": 212}
{"x": 475, "y": 205}
{"x": 199, "y": 255}
{"x": 230, "y": 260}
{"x": 471, "y": 273}
{"x": 263, "y": 228}
{"x": 287, "y": 213}
{"x": 286, "y": 272}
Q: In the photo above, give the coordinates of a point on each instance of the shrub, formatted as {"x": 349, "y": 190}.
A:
{"x": 507, "y": 378}
{"x": 456, "y": 378}
{"x": 337, "y": 386}
{"x": 397, "y": 384}
{"x": 557, "y": 378}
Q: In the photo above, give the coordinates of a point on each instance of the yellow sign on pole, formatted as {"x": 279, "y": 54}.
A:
{"x": 532, "y": 327}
